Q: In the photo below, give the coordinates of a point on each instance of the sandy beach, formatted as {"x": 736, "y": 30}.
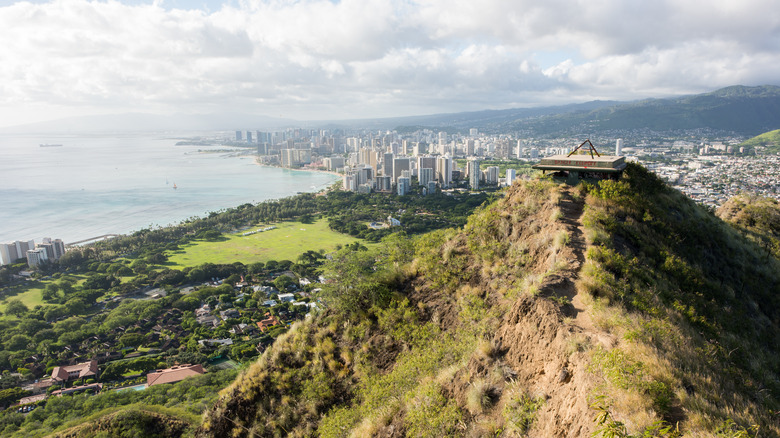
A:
{"x": 305, "y": 169}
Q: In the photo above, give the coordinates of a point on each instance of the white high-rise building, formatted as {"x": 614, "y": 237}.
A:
{"x": 619, "y": 147}
{"x": 36, "y": 256}
{"x": 426, "y": 162}
{"x": 333, "y": 163}
{"x": 491, "y": 175}
{"x": 8, "y": 253}
{"x": 470, "y": 147}
{"x": 444, "y": 171}
{"x": 350, "y": 181}
{"x": 57, "y": 247}
{"x": 510, "y": 176}
{"x": 11, "y": 252}
{"x": 426, "y": 174}
{"x": 404, "y": 184}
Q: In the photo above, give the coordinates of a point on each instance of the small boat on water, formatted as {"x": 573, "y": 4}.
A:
{"x": 50, "y": 145}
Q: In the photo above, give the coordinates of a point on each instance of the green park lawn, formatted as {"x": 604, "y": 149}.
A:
{"x": 30, "y": 293}
{"x": 286, "y": 242}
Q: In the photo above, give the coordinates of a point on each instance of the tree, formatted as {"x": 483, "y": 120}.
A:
{"x": 139, "y": 266}
{"x": 76, "y": 306}
{"x": 18, "y": 342}
{"x": 357, "y": 281}
{"x": 98, "y": 281}
{"x": 45, "y": 334}
{"x": 282, "y": 282}
{"x": 15, "y": 307}
{"x": 51, "y": 292}
{"x": 256, "y": 268}
{"x": 132, "y": 339}
{"x": 233, "y": 279}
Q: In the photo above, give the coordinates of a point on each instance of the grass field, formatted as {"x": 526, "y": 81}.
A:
{"x": 286, "y": 242}
{"x": 30, "y": 293}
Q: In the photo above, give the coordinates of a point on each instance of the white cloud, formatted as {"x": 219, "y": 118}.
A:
{"x": 354, "y": 58}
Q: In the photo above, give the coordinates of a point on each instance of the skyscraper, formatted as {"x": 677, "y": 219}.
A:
{"x": 619, "y": 147}
{"x": 470, "y": 147}
{"x": 474, "y": 173}
{"x": 399, "y": 165}
{"x": 404, "y": 184}
{"x": 491, "y": 175}
{"x": 444, "y": 171}
{"x": 425, "y": 175}
{"x": 238, "y": 135}
{"x": 387, "y": 164}
{"x": 36, "y": 256}
{"x": 11, "y": 252}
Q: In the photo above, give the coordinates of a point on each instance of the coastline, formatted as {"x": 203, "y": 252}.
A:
{"x": 80, "y": 195}
{"x": 303, "y": 169}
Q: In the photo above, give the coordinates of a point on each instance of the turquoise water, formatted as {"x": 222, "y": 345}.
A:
{"x": 134, "y": 388}
{"x": 95, "y": 185}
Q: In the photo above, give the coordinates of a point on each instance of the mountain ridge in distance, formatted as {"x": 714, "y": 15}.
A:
{"x": 736, "y": 109}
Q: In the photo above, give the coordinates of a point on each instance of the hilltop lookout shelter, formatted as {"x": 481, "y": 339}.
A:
{"x": 579, "y": 164}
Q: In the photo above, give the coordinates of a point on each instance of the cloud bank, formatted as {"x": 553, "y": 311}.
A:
{"x": 318, "y": 59}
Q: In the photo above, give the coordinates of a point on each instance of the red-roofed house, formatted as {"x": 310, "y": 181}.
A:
{"x": 173, "y": 374}
{"x": 75, "y": 372}
{"x": 268, "y": 322}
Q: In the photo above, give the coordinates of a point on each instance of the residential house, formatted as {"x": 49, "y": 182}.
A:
{"x": 242, "y": 329}
{"x": 229, "y": 313}
{"x": 173, "y": 374}
{"x": 75, "y": 372}
{"x": 107, "y": 356}
{"x": 268, "y": 322}
{"x": 215, "y": 342}
{"x": 208, "y": 320}
{"x": 286, "y": 298}
{"x": 203, "y": 310}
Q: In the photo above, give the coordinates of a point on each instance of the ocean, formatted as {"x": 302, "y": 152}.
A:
{"x": 116, "y": 184}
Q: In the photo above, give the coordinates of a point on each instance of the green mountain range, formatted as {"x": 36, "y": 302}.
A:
{"x": 738, "y": 109}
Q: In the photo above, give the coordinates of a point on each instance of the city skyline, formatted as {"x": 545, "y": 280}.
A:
{"x": 328, "y": 60}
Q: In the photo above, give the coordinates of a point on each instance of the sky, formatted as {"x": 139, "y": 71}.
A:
{"x": 320, "y": 59}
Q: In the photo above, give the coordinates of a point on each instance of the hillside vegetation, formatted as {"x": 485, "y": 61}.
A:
{"x": 756, "y": 217}
{"x": 620, "y": 309}
{"x": 770, "y": 141}
{"x": 133, "y": 421}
